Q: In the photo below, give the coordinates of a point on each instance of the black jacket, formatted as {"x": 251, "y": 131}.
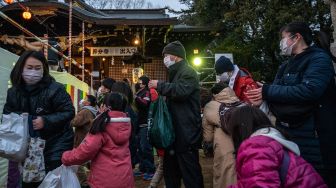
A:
{"x": 142, "y": 102}
{"x": 49, "y": 100}
{"x": 183, "y": 101}
{"x": 314, "y": 84}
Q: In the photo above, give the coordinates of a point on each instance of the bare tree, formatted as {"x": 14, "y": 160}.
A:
{"x": 119, "y": 4}
{"x": 110, "y": 4}
{"x": 98, "y": 4}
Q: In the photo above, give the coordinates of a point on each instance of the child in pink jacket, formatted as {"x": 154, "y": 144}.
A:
{"x": 106, "y": 146}
{"x": 265, "y": 157}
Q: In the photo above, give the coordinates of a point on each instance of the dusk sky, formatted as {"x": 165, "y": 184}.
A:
{"x": 174, "y": 4}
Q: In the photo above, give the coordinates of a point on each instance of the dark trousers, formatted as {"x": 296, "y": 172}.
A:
{"x": 133, "y": 146}
{"x": 50, "y": 165}
{"x": 145, "y": 152}
{"x": 184, "y": 166}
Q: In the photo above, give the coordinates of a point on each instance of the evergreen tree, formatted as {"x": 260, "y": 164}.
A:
{"x": 250, "y": 28}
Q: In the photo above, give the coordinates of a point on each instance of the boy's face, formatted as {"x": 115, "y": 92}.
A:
{"x": 86, "y": 102}
{"x": 104, "y": 89}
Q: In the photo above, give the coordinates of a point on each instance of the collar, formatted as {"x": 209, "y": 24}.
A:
{"x": 172, "y": 70}
{"x": 233, "y": 77}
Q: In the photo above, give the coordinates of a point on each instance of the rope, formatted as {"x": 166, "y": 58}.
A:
{"x": 83, "y": 50}
{"x": 70, "y": 32}
{"x": 4, "y": 16}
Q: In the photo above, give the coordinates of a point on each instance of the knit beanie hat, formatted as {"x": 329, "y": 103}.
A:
{"x": 175, "y": 48}
{"x": 223, "y": 64}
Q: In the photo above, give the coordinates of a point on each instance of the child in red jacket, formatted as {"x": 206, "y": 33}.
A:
{"x": 239, "y": 79}
{"x": 106, "y": 146}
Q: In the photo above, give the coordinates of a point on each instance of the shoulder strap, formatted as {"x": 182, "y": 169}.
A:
{"x": 284, "y": 168}
{"x": 224, "y": 113}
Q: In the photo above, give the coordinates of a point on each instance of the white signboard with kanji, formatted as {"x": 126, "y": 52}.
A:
{"x": 113, "y": 51}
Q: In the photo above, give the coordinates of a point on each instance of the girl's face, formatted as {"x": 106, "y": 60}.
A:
{"x": 288, "y": 43}
{"x": 289, "y": 38}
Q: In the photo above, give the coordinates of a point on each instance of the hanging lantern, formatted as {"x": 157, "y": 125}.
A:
{"x": 9, "y": 1}
{"x": 136, "y": 74}
{"x": 26, "y": 15}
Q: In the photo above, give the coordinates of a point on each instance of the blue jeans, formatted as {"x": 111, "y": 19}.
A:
{"x": 145, "y": 152}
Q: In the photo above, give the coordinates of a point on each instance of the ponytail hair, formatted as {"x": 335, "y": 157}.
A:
{"x": 299, "y": 27}
{"x": 99, "y": 124}
{"x": 322, "y": 40}
{"x": 113, "y": 102}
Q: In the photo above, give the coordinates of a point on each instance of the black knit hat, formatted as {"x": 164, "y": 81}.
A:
{"x": 223, "y": 64}
{"x": 175, "y": 48}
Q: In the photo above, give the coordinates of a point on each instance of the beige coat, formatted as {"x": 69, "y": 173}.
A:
{"x": 224, "y": 173}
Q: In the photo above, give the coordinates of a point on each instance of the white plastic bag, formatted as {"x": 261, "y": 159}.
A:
{"x": 14, "y": 136}
{"x": 61, "y": 177}
{"x": 33, "y": 167}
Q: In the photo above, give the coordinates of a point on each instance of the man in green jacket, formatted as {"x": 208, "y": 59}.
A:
{"x": 181, "y": 160}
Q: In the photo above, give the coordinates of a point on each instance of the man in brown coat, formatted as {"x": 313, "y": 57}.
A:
{"x": 224, "y": 173}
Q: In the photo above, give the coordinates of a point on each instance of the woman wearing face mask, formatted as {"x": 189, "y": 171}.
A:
{"x": 239, "y": 79}
{"x": 303, "y": 98}
{"x": 49, "y": 105}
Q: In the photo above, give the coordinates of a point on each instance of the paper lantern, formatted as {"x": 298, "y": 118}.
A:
{"x": 9, "y": 1}
{"x": 26, "y": 15}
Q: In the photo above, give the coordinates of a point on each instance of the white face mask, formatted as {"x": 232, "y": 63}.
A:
{"x": 285, "y": 49}
{"x": 224, "y": 77}
{"x": 81, "y": 104}
{"x": 31, "y": 76}
{"x": 168, "y": 62}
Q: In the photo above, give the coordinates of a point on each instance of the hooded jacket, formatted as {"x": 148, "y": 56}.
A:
{"x": 109, "y": 154}
{"x": 260, "y": 157}
{"x": 183, "y": 101}
{"x": 224, "y": 172}
{"x": 83, "y": 122}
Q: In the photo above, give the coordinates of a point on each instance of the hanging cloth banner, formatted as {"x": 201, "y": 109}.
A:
{"x": 75, "y": 87}
{"x": 113, "y": 51}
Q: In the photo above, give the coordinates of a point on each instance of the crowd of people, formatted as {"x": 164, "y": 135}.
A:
{"x": 232, "y": 122}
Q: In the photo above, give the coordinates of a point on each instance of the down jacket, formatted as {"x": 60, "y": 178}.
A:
{"x": 313, "y": 84}
{"x": 259, "y": 160}
{"x": 241, "y": 82}
{"x": 49, "y": 100}
{"x": 109, "y": 154}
